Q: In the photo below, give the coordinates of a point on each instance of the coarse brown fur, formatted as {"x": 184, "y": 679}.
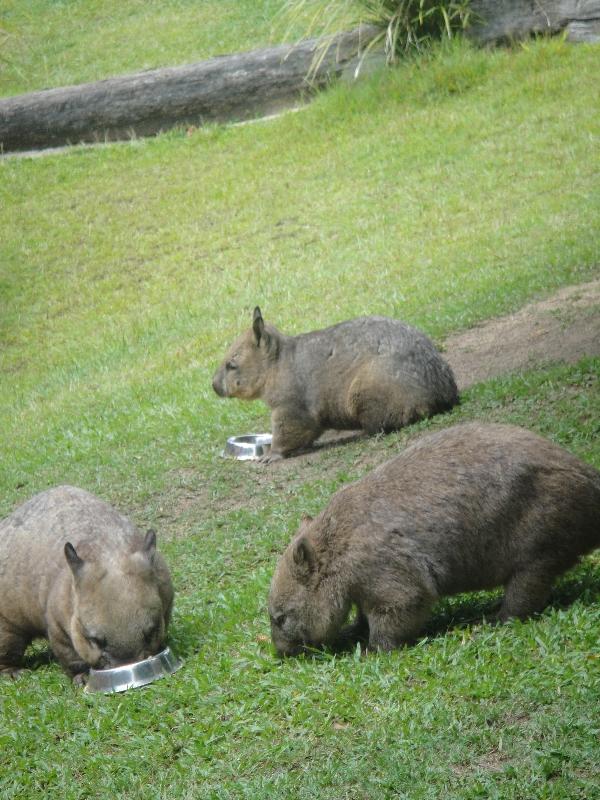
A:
{"x": 75, "y": 571}
{"x": 370, "y": 373}
{"x": 471, "y": 507}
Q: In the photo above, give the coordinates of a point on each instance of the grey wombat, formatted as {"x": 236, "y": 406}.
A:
{"x": 470, "y": 507}
{"x": 74, "y": 570}
{"x": 373, "y": 373}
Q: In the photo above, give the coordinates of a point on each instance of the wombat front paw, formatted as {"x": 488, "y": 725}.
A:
{"x": 270, "y": 458}
{"x": 80, "y": 679}
{"x": 11, "y": 672}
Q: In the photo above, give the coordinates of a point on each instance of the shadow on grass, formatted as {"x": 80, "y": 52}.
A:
{"x": 328, "y": 441}
{"x": 187, "y": 634}
{"x": 581, "y": 583}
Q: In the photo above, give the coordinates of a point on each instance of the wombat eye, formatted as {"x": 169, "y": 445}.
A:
{"x": 280, "y": 620}
{"x": 97, "y": 641}
{"x": 230, "y": 365}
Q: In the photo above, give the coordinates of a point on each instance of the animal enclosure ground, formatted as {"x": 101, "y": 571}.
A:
{"x": 456, "y": 189}
{"x": 564, "y": 327}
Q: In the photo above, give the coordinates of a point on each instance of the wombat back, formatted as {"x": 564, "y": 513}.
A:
{"x": 468, "y": 508}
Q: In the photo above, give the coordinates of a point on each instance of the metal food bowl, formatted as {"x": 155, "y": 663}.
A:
{"x": 130, "y": 676}
{"x": 251, "y": 446}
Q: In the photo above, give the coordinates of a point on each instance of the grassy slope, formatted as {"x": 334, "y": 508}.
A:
{"x": 87, "y": 40}
{"x": 472, "y": 711}
{"x": 443, "y": 193}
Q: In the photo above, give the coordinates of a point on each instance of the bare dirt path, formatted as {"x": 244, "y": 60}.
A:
{"x": 564, "y": 327}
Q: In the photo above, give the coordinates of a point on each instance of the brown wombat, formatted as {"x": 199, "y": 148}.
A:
{"x": 372, "y": 373}
{"x": 470, "y": 507}
{"x": 74, "y": 570}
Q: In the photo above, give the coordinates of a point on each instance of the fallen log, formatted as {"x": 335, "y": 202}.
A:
{"x": 225, "y": 88}
{"x": 247, "y": 85}
{"x": 498, "y": 21}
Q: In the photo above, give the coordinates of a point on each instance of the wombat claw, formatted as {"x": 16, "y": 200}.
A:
{"x": 270, "y": 458}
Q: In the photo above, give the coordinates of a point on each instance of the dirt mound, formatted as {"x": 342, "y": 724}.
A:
{"x": 564, "y": 327}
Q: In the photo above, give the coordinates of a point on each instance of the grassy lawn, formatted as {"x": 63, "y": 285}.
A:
{"x": 450, "y": 190}
{"x": 44, "y": 44}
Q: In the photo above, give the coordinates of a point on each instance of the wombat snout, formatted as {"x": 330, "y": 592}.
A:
{"x": 218, "y": 386}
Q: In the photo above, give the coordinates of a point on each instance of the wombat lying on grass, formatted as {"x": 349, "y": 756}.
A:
{"x": 74, "y": 570}
{"x": 373, "y": 373}
{"x": 471, "y": 507}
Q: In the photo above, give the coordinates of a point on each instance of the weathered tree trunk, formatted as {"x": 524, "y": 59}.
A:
{"x": 504, "y": 20}
{"x": 236, "y": 87}
{"x": 247, "y": 85}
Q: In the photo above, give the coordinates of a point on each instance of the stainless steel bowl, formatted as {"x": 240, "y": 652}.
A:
{"x": 251, "y": 446}
{"x": 130, "y": 676}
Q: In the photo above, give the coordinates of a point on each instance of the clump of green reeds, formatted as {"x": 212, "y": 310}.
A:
{"x": 406, "y": 25}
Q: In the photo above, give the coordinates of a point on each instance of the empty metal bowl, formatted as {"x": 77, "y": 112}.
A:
{"x": 251, "y": 446}
{"x": 130, "y": 676}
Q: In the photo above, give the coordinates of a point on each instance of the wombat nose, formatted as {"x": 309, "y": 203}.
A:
{"x": 217, "y": 385}
{"x": 286, "y": 648}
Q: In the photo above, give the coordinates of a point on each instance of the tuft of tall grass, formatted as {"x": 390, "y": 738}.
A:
{"x": 406, "y": 25}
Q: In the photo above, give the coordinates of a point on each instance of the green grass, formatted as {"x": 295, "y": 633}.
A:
{"x": 45, "y": 43}
{"x": 472, "y": 711}
{"x": 452, "y": 189}
{"x": 406, "y": 26}
{"x": 443, "y": 193}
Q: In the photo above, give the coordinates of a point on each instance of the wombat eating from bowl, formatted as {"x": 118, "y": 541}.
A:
{"x": 471, "y": 507}
{"x": 75, "y": 571}
{"x": 372, "y": 373}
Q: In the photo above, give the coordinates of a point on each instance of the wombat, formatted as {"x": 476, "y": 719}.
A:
{"x": 75, "y": 571}
{"x": 471, "y": 507}
{"x": 370, "y": 373}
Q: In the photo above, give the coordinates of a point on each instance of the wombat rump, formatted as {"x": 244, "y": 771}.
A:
{"x": 75, "y": 571}
{"x": 370, "y": 373}
{"x": 472, "y": 507}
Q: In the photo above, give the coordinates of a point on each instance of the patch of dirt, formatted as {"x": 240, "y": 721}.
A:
{"x": 191, "y": 492}
{"x": 564, "y": 327}
{"x": 512, "y": 719}
{"x": 493, "y": 761}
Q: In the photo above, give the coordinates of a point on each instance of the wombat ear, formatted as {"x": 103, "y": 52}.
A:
{"x": 304, "y": 557}
{"x": 258, "y": 328}
{"x": 149, "y": 546}
{"x": 73, "y": 560}
{"x": 306, "y": 518}
{"x": 258, "y": 325}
